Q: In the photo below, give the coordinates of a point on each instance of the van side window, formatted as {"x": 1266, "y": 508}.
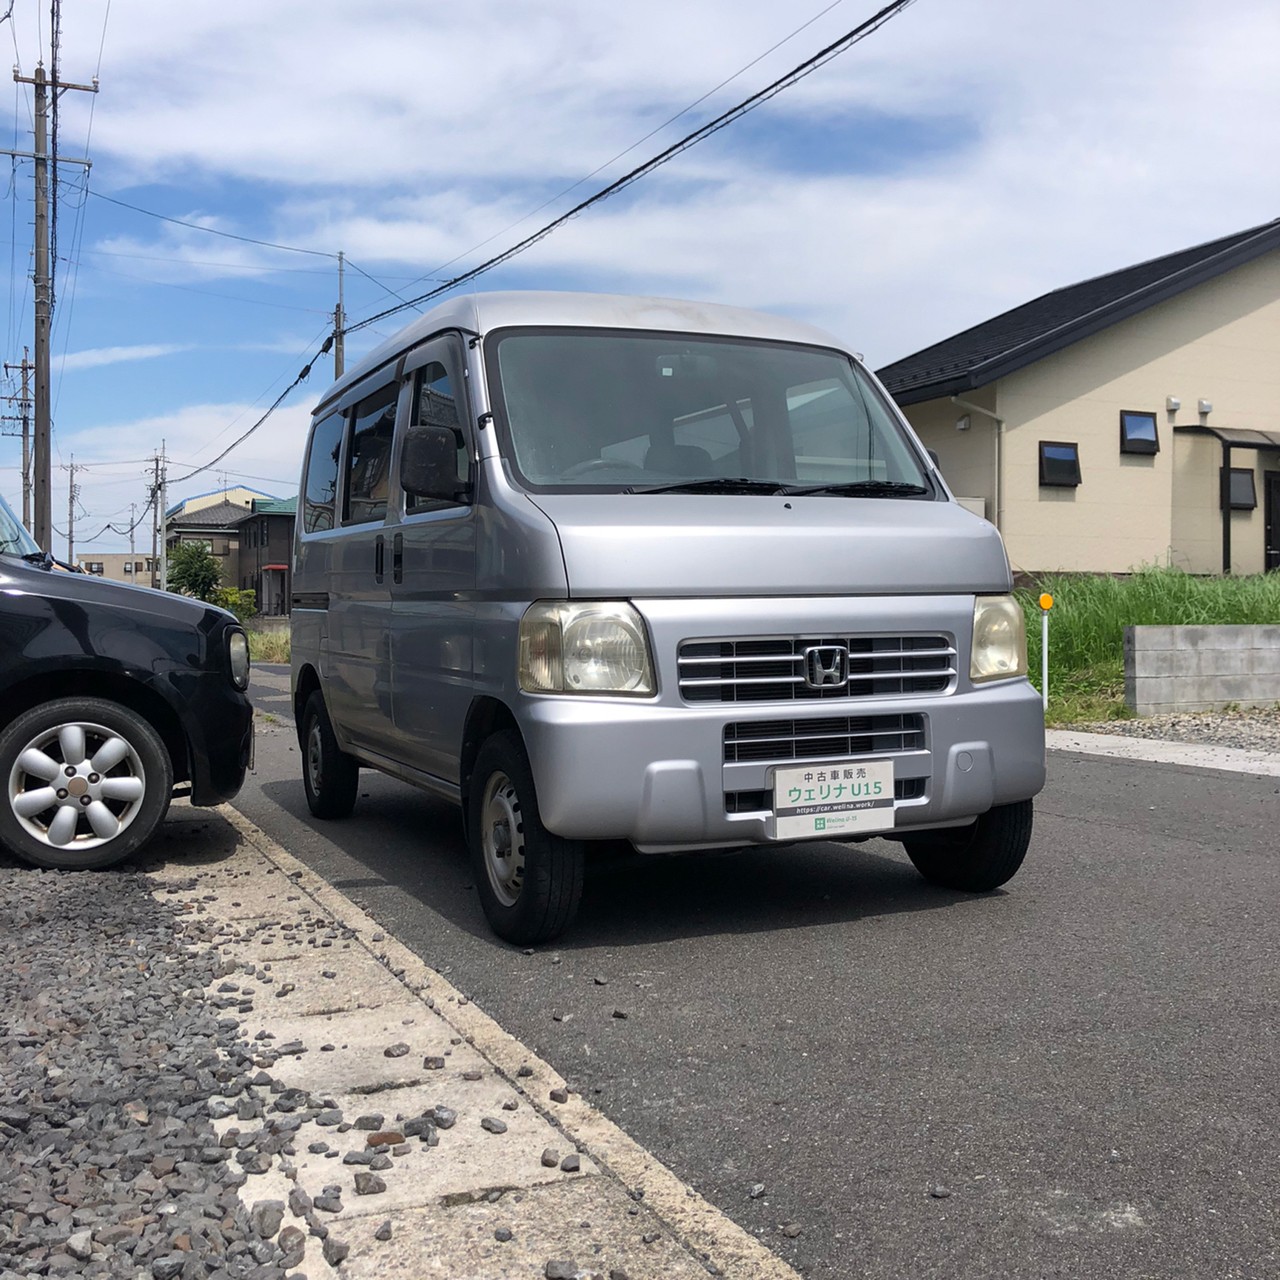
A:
{"x": 373, "y": 424}
{"x": 435, "y": 405}
{"x": 322, "y": 475}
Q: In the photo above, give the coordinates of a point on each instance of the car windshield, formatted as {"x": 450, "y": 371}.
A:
{"x": 14, "y": 539}
{"x": 646, "y": 413}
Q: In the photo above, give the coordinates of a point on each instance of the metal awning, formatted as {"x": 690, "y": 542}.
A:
{"x": 1232, "y": 438}
{"x": 1237, "y": 437}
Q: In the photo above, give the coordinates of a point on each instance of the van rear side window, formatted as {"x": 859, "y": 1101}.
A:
{"x": 369, "y": 457}
{"x": 321, "y": 488}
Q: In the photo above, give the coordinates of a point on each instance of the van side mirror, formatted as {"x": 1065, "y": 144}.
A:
{"x": 429, "y": 463}
{"x": 933, "y": 457}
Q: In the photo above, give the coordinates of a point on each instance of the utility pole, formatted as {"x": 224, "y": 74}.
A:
{"x": 24, "y": 404}
{"x": 133, "y": 526}
{"x": 73, "y": 492}
{"x": 43, "y": 527}
{"x": 164, "y": 532}
{"x": 339, "y": 325}
{"x": 155, "y": 519}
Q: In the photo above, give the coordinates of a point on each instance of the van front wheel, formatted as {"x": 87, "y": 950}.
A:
{"x": 976, "y": 858}
{"x": 329, "y": 775}
{"x": 529, "y": 880}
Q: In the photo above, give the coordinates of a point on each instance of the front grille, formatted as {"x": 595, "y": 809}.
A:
{"x": 823, "y": 738}
{"x": 762, "y": 801}
{"x": 749, "y": 670}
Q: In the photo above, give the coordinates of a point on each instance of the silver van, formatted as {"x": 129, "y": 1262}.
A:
{"x": 628, "y": 569}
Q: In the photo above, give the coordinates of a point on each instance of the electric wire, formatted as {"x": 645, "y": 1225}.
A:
{"x": 213, "y": 231}
{"x": 807, "y": 67}
{"x": 275, "y": 404}
{"x": 639, "y": 142}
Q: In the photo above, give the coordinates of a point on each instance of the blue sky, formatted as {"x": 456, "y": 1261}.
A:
{"x": 970, "y": 155}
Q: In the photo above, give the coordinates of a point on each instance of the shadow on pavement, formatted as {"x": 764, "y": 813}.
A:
{"x": 412, "y": 842}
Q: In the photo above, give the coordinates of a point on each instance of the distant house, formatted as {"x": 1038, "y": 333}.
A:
{"x": 252, "y": 537}
{"x": 266, "y": 552}
{"x": 118, "y": 566}
{"x": 1130, "y": 419}
{"x": 217, "y": 526}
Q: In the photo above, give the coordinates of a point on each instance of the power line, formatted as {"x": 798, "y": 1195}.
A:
{"x": 326, "y": 346}
{"x": 684, "y": 111}
{"x": 213, "y": 231}
{"x": 807, "y": 67}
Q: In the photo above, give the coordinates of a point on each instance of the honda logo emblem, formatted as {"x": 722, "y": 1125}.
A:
{"x": 826, "y": 666}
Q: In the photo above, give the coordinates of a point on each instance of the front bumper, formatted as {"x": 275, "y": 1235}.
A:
{"x": 658, "y": 776}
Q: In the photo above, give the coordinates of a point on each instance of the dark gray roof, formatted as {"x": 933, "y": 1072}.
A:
{"x": 1017, "y": 338}
{"x": 221, "y": 515}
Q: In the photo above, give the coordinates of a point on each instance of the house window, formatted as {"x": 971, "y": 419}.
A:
{"x": 1059, "y": 464}
{"x": 1138, "y": 432}
{"x": 1244, "y": 496}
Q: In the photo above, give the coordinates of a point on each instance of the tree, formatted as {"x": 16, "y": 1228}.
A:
{"x": 193, "y": 571}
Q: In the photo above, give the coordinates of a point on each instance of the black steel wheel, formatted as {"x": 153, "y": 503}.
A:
{"x": 330, "y": 776}
{"x": 529, "y": 880}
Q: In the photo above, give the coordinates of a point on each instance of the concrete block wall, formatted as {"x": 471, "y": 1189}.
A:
{"x": 1200, "y": 668}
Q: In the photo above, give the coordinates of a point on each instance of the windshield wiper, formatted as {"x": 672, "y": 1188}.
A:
{"x": 862, "y": 489}
{"x": 712, "y": 484}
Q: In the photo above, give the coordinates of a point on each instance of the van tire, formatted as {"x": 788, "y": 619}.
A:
{"x": 529, "y": 880}
{"x": 93, "y": 819}
{"x": 976, "y": 858}
{"x": 330, "y": 776}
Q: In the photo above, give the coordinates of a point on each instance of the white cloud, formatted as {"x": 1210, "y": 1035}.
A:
{"x": 97, "y": 357}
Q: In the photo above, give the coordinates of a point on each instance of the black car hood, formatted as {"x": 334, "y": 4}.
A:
{"x": 19, "y": 577}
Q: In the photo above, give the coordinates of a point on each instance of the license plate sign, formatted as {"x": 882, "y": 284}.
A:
{"x": 833, "y": 800}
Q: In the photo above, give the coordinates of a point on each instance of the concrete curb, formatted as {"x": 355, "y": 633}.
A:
{"x": 1192, "y": 755}
{"x": 623, "y": 1213}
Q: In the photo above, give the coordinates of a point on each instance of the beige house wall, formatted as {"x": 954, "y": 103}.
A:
{"x": 238, "y": 494}
{"x": 1219, "y": 342}
{"x": 967, "y": 458}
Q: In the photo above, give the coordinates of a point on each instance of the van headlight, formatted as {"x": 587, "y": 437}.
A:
{"x": 999, "y": 648}
{"x": 592, "y": 647}
{"x": 238, "y": 653}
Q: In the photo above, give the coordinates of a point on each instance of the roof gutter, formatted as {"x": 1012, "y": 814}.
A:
{"x": 999, "y": 429}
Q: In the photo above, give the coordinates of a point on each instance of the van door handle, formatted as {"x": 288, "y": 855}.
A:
{"x": 397, "y": 558}
{"x": 379, "y": 557}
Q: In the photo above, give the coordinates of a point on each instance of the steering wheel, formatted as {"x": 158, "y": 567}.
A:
{"x": 599, "y": 464}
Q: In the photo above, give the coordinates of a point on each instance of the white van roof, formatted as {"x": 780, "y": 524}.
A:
{"x": 481, "y": 313}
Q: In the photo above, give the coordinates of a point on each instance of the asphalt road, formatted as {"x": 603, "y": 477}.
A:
{"x": 1074, "y": 1077}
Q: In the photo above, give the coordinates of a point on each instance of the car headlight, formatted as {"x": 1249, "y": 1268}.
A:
{"x": 999, "y": 639}
{"x": 592, "y": 647}
{"x": 238, "y": 652}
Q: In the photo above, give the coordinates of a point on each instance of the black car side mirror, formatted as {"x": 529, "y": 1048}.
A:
{"x": 429, "y": 463}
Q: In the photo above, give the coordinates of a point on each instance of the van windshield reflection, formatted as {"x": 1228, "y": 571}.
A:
{"x": 601, "y": 410}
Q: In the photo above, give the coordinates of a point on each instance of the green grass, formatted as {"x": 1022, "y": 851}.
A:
{"x": 269, "y": 646}
{"x": 1089, "y": 615}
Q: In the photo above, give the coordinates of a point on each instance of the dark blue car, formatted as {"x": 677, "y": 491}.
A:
{"x": 113, "y": 699}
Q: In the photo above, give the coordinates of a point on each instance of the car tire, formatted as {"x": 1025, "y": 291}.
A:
{"x": 529, "y": 880}
{"x": 102, "y": 769}
{"x": 329, "y": 776}
{"x": 979, "y": 857}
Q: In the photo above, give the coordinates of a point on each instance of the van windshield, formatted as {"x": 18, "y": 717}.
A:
{"x": 633, "y": 412}
{"x": 14, "y": 539}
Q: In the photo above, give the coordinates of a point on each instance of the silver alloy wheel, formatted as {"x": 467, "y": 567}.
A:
{"x": 77, "y": 786}
{"x": 502, "y": 838}
{"x": 315, "y": 756}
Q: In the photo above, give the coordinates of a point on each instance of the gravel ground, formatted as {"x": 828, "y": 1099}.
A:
{"x": 111, "y": 1062}
{"x": 1252, "y": 730}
